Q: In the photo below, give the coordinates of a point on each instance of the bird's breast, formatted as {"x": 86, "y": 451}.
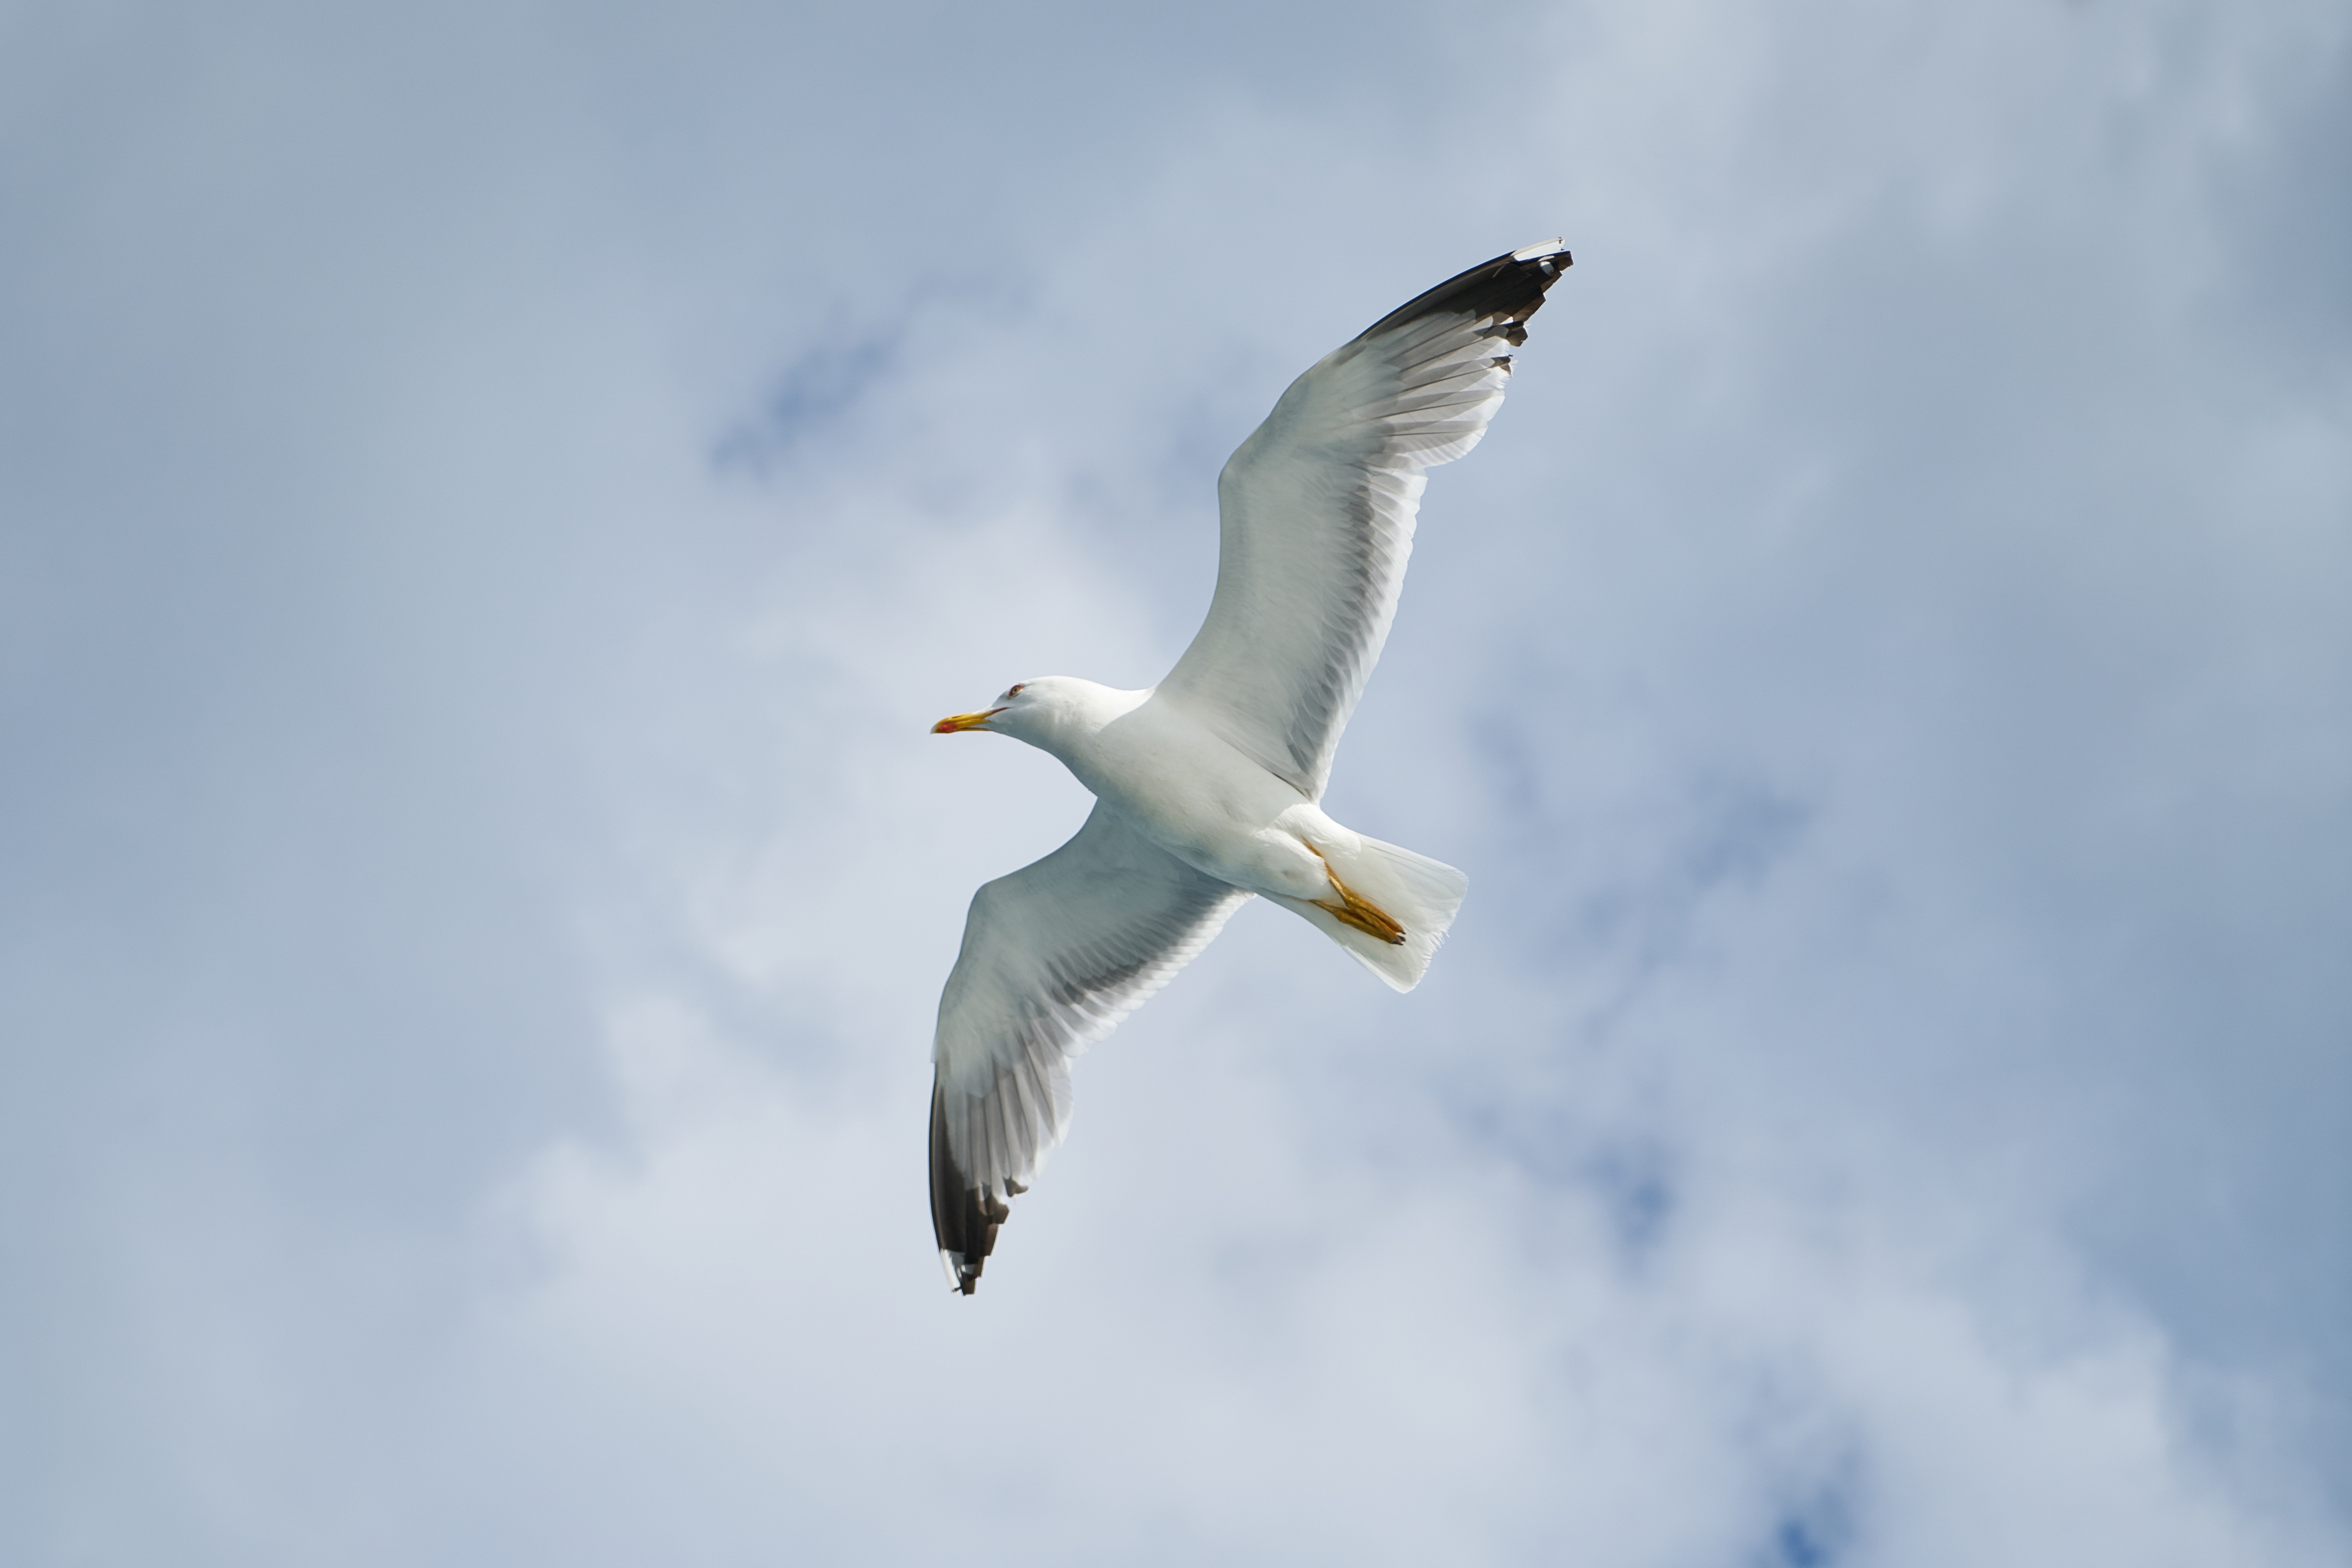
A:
{"x": 1186, "y": 789}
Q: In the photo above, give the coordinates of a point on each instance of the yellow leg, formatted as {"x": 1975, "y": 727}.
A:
{"x": 1352, "y": 910}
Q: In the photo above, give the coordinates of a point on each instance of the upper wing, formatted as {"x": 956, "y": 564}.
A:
{"x": 1317, "y": 510}
{"x": 1054, "y": 956}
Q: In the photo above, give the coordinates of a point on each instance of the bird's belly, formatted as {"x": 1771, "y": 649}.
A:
{"x": 1212, "y": 808}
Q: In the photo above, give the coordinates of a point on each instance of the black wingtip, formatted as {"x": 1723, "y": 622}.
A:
{"x": 963, "y": 1217}
{"x": 1511, "y": 286}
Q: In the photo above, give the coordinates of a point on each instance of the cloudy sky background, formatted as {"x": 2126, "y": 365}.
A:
{"x": 491, "y": 497}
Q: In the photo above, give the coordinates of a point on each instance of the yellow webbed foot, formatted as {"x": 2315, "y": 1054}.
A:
{"x": 1359, "y": 913}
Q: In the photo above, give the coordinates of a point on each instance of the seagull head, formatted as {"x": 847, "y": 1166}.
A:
{"x": 1015, "y": 699}
{"x": 1049, "y": 711}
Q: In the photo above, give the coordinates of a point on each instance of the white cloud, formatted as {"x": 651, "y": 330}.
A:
{"x": 493, "y": 511}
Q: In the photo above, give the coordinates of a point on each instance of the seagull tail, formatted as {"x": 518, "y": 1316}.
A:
{"x": 1414, "y": 891}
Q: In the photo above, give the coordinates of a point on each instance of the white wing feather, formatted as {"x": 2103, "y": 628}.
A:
{"x": 1054, "y": 956}
{"x": 1316, "y": 513}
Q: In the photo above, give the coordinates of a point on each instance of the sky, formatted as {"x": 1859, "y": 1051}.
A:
{"x": 493, "y": 496}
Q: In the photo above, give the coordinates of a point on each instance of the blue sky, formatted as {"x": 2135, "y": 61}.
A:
{"x": 492, "y": 497}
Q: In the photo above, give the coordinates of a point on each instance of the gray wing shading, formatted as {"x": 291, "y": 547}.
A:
{"x": 1054, "y": 956}
{"x": 1318, "y": 509}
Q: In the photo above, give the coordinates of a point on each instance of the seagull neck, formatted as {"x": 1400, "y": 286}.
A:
{"x": 1081, "y": 712}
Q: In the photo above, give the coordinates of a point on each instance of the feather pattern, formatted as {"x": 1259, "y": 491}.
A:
{"x": 1054, "y": 956}
{"x": 1316, "y": 511}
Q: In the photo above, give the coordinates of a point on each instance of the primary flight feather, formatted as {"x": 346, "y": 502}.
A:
{"x": 1208, "y": 786}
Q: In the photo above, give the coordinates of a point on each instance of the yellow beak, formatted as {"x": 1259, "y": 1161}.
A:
{"x": 950, "y": 725}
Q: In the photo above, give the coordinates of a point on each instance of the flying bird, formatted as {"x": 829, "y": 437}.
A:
{"x": 1207, "y": 785}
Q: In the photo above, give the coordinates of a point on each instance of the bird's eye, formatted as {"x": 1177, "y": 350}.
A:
{"x": 1016, "y": 690}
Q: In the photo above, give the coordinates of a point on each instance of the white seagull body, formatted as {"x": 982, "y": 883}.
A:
{"x": 1208, "y": 786}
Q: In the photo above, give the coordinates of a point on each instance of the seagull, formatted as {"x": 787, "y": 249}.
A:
{"x": 1207, "y": 786}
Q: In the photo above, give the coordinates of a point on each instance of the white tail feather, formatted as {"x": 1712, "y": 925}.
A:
{"x": 1417, "y": 892}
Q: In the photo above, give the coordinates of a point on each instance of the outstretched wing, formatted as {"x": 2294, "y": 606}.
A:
{"x": 1318, "y": 512}
{"x": 1054, "y": 956}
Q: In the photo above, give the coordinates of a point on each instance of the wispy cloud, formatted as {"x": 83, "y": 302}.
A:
{"x": 488, "y": 505}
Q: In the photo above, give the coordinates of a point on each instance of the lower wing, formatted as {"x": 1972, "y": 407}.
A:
{"x": 1054, "y": 956}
